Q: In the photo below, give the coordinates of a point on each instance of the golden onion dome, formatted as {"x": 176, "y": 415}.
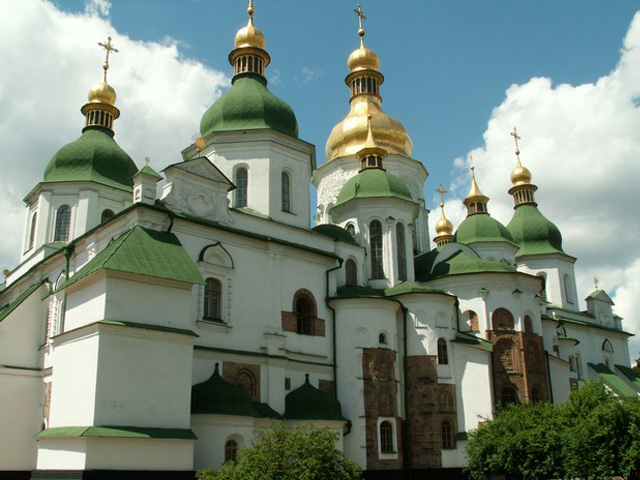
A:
{"x": 363, "y": 59}
{"x": 444, "y": 226}
{"x": 350, "y": 135}
{"x": 102, "y": 93}
{"x": 520, "y": 175}
{"x": 249, "y": 36}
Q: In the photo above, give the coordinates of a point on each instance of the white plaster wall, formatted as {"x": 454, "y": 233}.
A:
{"x": 87, "y": 302}
{"x": 474, "y": 387}
{"x": 139, "y": 454}
{"x": 22, "y": 332}
{"x": 62, "y": 454}
{"x": 213, "y": 431}
{"x": 560, "y": 386}
{"x": 554, "y": 267}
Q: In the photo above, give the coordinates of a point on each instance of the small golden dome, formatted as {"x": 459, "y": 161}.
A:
{"x": 520, "y": 175}
{"x": 249, "y": 36}
{"x": 475, "y": 194}
{"x": 363, "y": 59}
{"x": 444, "y": 226}
{"x": 102, "y": 93}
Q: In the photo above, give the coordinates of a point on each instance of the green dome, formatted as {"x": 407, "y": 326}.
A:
{"x": 249, "y": 105}
{"x": 217, "y": 397}
{"x": 309, "y": 403}
{"x": 373, "y": 183}
{"x": 533, "y": 232}
{"x": 463, "y": 263}
{"x": 481, "y": 227}
{"x": 335, "y": 232}
{"x": 94, "y": 157}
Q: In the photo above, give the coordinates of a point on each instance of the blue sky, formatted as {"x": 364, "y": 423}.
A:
{"x": 458, "y": 74}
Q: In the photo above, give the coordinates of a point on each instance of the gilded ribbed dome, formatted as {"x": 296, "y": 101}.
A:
{"x": 444, "y": 226}
{"x": 102, "y": 93}
{"x": 249, "y": 36}
{"x": 520, "y": 175}
{"x": 363, "y": 59}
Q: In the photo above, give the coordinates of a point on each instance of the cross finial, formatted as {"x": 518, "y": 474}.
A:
{"x": 361, "y": 17}
{"x": 442, "y": 192}
{"x": 250, "y": 11}
{"x": 109, "y": 48}
{"x": 515, "y": 136}
{"x": 595, "y": 281}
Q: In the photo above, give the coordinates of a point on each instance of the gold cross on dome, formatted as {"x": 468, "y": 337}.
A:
{"x": 361, "y": 17}
{"x": 515, "y": 136}
{"x": 109, "y": 48}
{"x": 442, "y": 192}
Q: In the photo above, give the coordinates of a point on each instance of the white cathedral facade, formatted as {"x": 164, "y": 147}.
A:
{"x": 156, "y": 321}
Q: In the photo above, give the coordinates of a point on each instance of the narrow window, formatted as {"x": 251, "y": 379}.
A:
{"x": 32, "y": 230}
{"x": 230, "y": 451}
{"x": 528, "y": 324}
{"x": 382, "y": 338}
{"x": 212, "y": 299}
{"x": 480, "y": 207}
{"x": 286, "y": 192}
{"x": 447, "y": 437}
{"x": 63, "y": 220}
{"x": 106, "y": 215}
{"x": 242, "y": 184}
{"x": 443, "y": 357}
{"x": 375, "y": 232}
{"x": 508, "y": 395}
{"x": 251, "y": 64}
{"x": 351, "y": 270}
{"x": 305, "y": 313}
{"x": 568, "y": 291}
{"x": 386, "y": 437}
{"x": 401, "y": 252}
{"x": 351, "y": 229}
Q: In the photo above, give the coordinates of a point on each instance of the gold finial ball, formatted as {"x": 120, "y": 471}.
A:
{"x": 363, "y": 59}
{"x": 444, "y": 226}
{"x": 102, "y": 93}
{"x": 250, "y": 10}
{"x": 249, "y": 36}
{"x": 361, "y": 32}
{"x": 520, "y": 176}
{"x": 6, "y": 272}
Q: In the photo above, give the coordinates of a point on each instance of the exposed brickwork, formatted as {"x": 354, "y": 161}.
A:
{"x": 316, "y": 326}
{"x": 327, "y": 386}
{"x": 519, "y": 362}
{"x": 380, "y": 400}
{"x": 245, "y": 375}
{"x": 430, "y": 404}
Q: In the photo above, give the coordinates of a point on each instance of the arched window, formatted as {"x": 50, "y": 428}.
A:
{"x": 286, "y": 192}
{"x": 382, "y": 338}
{"x": 212, "y": 299}
{"x": 351, "y": 228}
{"x": 401, "y": 252}
{"x": 528, "y": 324}
{"x": 502, "y": 319}
{"x": 106, "y": 215}
{"x": 386, "y": 437}
{"x": 32, "y": 231}
{"x": 305, "y": 310}
{"x": 543, "y": 292}
{"x": 443, "y": 356}
{"x": 473, "y": 321}
{"x": 568, "y": 290}
{"x": 375, "y": 235}
{"x": 351, "y": 270}
{"x": 247, "y": 380}
{"x": 447, "y": 434}
{"x": 508, "y": 395}
{"x": 63, "y": 221}
{"x": 242, "y": 187}
{"x": 230, "y": 451}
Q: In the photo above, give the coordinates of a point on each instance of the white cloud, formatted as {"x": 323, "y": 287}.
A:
{"x": 307, "y": 74}
{"x": 582, "y": 144}
{"x": 44, "y": 81}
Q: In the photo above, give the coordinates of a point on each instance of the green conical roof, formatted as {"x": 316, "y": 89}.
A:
{"x": 217, "y": 397}
{"x": 336, "y": 232}
{"x": 481, "y": 227}
{"x": 533, "y": 232}
{"x": 309, "y": 403}
{"x": 373, "y": 183}
{"x": 249, "y": 105}
{"x": 94, "y": 157}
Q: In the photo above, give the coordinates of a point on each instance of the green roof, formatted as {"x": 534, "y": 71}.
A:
{"x": 481, "y": 227}
{"x": 591, "y": 324}
{"x": 144, "y": 252}
{"x": 118, "y": 432}
{"x": 410, "y": 287}
{"x": 249, "y": 105}
{"x": 7, "y": 309}
{"x": 309, "y": 403}
{"x": 612, "y": 380}
{"x": 533, "y": 232}
{"x": 336, "y": 232}
{"x": 463, "y": 263}
{"x": 473, "y": 342}
{"x": 94, "y": 157}
{"x": 630, "y": 374}
{"x": 217, "y": 397}
{"x": 373, "y": 183}
{"x": 147, "y": 170}
{"x": 359, "y": 292}
{"x": 600, "y": 295}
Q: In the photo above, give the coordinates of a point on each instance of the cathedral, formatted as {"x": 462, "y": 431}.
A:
{"x": 158, "y": 320}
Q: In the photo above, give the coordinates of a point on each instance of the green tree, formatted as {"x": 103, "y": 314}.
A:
{"x": 592, "y": 435}
{"x": 278, "y": 453}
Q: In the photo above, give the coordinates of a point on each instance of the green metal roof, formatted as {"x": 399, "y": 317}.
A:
{"x": 217, "y": 397}
{"x": 309, "y": 403}
{"x": 94, "y": 157}
{"x": 410, "y": 287}
{"x": 600, "y": 295}
{"x": 10, "y": 307}
{"x": 481, "y": 227}
{"x": 359, "y": 292}
{"x": 612, "y": 380}
{"x": 473, "y": 342}
{"x": 373, "y": 183}
{"x": 336, "y": 232}
{"x": 249, "y": 105}
{"x": 533, "y": 232}
{"x": 462, "y": 263}
{"x": 147, "y": 170}
{"x": 118, "y": 432}
{"x": 144, "y": 252}
{"x": 630, "y": 374}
